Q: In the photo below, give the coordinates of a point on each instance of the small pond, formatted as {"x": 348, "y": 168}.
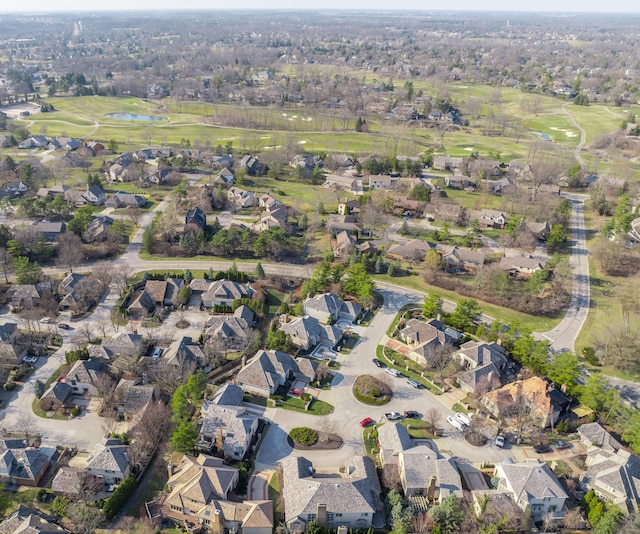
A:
{"x": 134, "y": 117}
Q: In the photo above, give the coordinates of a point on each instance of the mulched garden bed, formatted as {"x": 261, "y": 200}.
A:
{"x": 325, "y": 442}
{"x": 475, "y": 438}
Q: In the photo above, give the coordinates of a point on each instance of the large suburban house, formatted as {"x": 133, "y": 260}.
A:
{"x": 241, "y": 198}
{"x": 543, "y": 403}
{"x": 224, "y": 292}
{"x": 84, "y": 377}
{"x": 489, "y": 218}
{"x": 27, "y": 520}
{"x": 122, "y": 344}
{"x": 110, "y": 461}
{"x": 231, "y": 331}
{"x": 487, "y": 366}
{"x": 338, "y": 182}
{"x": 348, "y": 496}
{"x": 521, "y": 265}
{"x": 594, "y": 435}
{"x": 614, "y": 476}
{"x": 307, "y": 332}
{"x": 329, "y": 308}
{"x": 125, "y": 200}
{"x": 413, "y": 250}
{"x": 534, "y": 487}
{"x": 422, "y": 338}
{"x": 11, "y": 351}
{"x": 20, "y": 463}
{"x": 227, "y": 427}
{"x": 459, "y": 259}
{"x": 423, "y": 472}
{"x": 197, "y": 493}
{"x": 21, "y": 296}
{"x": 268, "y": 370}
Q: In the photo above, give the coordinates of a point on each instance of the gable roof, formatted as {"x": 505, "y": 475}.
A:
{"x": 596, "y": 435}
{"x": 306, "y": 328}
{"x": 617, "y": 473}
{"x": 529, "y": 480}
{"x": 355, "y": 492}
{"x": 109, "y": 455}
{"x": 200, "y": 480}
{"x": 393, "y": 438}
{"x": 265, "y": 367}
{"x": 27, "y": 520}
{"x": 85, "y": 371}
{"x": 421, "y": 463}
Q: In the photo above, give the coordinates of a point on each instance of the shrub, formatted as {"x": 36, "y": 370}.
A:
{"x": 10, "y": 386}
{"x": 60, "y": 505}
{"x": 45, "y": 405}
{"x": 303, "y": 435}
{"x": 119, "y": 497}
{"x": 563, "y": 426}
{"x": 76, "y": 411}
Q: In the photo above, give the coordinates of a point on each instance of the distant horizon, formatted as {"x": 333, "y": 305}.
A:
{"x": 42, "y": 7}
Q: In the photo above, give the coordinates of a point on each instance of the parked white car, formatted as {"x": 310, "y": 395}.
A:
{"x": 392, "y": 371}
{"x": 500, "y": 441}
{"x": 463, "y": 418}
{"x": 455, "y": 423}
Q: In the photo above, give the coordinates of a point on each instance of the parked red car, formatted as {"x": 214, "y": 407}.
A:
{"x": 366, "y": 422}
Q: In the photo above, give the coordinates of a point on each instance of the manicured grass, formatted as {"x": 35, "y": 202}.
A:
{"x": 504, "y": 315}
{"x": 254, "y": 399}
{"x": 274, "y": 496}
{"x": 295, "y": 404}
{"x": 9, "y": 501}
{"x": 417, "y": 428}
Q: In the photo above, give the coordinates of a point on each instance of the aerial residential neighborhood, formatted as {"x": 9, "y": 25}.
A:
{"x": 319, "y": 272}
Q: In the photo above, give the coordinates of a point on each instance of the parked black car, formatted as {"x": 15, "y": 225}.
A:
{"x": 378, "y": 362}
{"x": 411, "y": 414}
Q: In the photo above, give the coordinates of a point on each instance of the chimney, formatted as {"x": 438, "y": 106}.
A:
{"x": 322, "y": 515}
{"x": 170, "y": 469}
{"x": 219, "y": 439}
{"x": 431, "y": 489}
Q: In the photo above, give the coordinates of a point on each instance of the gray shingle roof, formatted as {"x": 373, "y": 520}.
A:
{"x": 421, "y": 463}
{"x": 393, "y": 438}
{"x": 110, "y": 455}
{"x": 356, "y": 492}
{"x": 531, "y": 480}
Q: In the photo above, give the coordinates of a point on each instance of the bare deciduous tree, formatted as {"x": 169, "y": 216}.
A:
{"x": 69, "y": 251}
{"x": 25, "y": 424}
{"x": 433, "y": 416}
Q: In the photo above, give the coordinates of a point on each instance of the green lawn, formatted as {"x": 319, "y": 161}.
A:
{"x": 417, "y": 428}
{"x": 295, "y": 404}
{"x": 10, "y": 500}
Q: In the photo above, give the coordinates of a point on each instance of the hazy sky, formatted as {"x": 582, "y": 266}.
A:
{"x": 13, "y": 6}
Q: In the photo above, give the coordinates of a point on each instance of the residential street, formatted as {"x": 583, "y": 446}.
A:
{"x": 564, "y": 335}
{"x": 348, "y": 411}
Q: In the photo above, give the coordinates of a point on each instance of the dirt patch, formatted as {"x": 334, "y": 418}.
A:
{"x": 183, "y": 324}
{"x": 325, "y": 442}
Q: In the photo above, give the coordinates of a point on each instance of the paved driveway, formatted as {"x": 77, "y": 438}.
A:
{"x": 348, "y": 411}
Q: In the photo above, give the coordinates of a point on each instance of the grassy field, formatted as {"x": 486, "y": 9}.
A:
{"x": 325, "y": 130}
{"x": 504, "y": 315}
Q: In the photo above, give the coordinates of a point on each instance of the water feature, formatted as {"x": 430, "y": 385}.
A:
{"x": 134, "y": 117}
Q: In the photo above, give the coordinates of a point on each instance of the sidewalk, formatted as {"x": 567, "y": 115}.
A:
{"x": 258, "y": 489}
